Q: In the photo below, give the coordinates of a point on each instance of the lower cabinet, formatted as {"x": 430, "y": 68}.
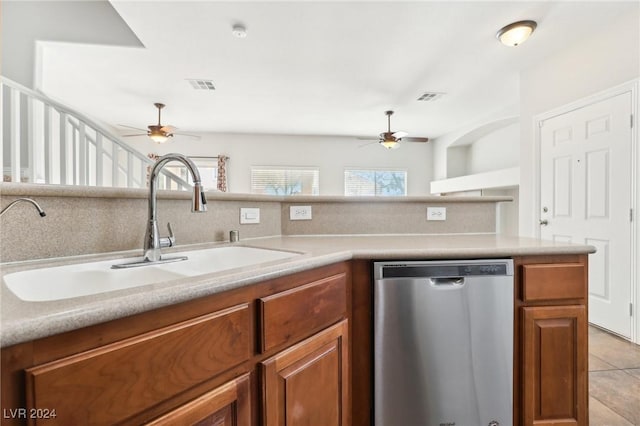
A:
{"x": 551, "y": 347}
{"x": 308, "y": 384}
{"x": 112, "y": 383}
{"x": 555, "y": 370}
{"x": 196, "y": 363}
{"x": 280, "y": 353}
{"x": 227, "y": 405}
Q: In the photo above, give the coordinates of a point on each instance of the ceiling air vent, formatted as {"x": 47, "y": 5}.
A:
{"x": 430, "y": 96}
{"x": 198, "y": 84}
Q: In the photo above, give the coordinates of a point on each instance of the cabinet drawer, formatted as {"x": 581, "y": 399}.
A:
{"x": 109, "y": 384}
{"x": 553, "y": 281}
{"x": 293, "y": 314}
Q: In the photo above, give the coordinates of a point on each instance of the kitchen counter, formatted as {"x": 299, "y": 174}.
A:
{"x": 24, "y": 321}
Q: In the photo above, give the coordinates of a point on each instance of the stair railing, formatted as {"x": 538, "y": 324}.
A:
{"x": 44, "y": 141}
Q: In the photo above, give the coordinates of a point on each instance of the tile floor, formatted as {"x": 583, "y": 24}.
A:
{"x": 614, "y": 380}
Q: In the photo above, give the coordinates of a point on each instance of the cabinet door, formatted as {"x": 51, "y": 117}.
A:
{"x": 106, "y": 385}
{"x": 227, "y": 405}
{"x": 555, "y": 365}
{"x": 308, "y": 384}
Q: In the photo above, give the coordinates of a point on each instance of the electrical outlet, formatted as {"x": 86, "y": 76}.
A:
{"x": 249, "y": 215}
{"x": 436, "y": 213}
{"x": 300, "y": 213}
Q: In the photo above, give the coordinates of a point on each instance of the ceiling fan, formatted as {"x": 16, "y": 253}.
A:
{"x": 157, "y": 132}
{"x": 391, "y": 140}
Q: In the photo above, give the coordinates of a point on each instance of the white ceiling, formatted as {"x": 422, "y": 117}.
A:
{"x": 314, "y": 68}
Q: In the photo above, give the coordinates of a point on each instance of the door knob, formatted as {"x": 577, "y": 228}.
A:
{"x": 544, "y": 222}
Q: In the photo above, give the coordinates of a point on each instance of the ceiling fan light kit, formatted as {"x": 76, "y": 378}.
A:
{"x": 516, "y": 33}
{"x": 391, "y": 140}
{"x": 159, "y": 133}
{"x": 390, "y": 144}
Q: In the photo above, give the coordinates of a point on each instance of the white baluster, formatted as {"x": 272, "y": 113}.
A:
{"x": 31, "y": 141}
{"x": 14, "y": 138}
{"x": 129, "y": 169}
{"x": 64, "y": 178}
{"x": 2, "y": 86}
{"x": 82, "y": 154}
{"x": 114, "y": 165}
{"x": 99, "y": 159}
{"x": 48, "y": 154}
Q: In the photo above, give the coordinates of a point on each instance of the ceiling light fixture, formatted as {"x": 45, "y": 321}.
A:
{"x": 159, "y": 136}
{"x": 239, "y": 31}
{"x": 390, "y": 143}
{"x": 516, "y": 33}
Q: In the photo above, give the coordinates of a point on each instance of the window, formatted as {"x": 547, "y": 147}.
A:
{"x": 285, "y": 181}
{"x": 207, "y": 167}
{"x": 375, "y": 182}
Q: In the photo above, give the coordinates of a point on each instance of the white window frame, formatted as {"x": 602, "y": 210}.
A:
{"x": 374, "y": 170}
{"x": 315, "y": 190}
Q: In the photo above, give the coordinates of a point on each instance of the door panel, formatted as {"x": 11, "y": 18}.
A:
{"x": 585, "y": 198}
{"x": 555, "y": 366}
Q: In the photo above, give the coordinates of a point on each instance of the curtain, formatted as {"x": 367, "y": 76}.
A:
{"x": 222, "y": 173}
{"x": 154, "y": 157}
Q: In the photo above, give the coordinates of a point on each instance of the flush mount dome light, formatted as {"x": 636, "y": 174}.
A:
{"x": 516, "y": 33}
{"x": 239, "y": 31}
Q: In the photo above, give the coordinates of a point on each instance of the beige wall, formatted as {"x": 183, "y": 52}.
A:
{"x": 101, "y": 220}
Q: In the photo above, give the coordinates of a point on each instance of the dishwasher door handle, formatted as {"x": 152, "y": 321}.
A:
{"x": 448, "y": 282}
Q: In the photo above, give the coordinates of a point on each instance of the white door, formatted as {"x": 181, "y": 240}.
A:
{"x": 585, "y": 197}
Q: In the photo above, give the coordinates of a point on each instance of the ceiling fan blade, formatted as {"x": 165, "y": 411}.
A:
{"x": 371, "y": 138}
{"x": 415, "y": 139}
{"x": 398, "y": 135}
{"x": 370, "y": 143}
{"x": 128, "y": 136}
{"x": 131, "y": 127}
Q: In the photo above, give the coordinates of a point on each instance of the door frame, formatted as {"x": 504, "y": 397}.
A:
{"x": 632, "y": 87}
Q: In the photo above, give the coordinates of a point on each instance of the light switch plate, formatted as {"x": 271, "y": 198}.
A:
{"x": 249, "y": 215}
{"x": 300, "y": 213}
{"x": 436, "y": 213}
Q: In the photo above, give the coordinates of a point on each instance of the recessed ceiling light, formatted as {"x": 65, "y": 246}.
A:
{"x": 516, "y": 33}
{"x": 239, "y": 31}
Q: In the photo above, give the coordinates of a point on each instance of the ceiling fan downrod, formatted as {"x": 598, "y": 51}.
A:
{"x": 159, "y": 106}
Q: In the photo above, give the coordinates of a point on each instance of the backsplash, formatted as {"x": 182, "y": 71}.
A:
{"x": 391, "y": 217}
{"x": 101, "y": 220}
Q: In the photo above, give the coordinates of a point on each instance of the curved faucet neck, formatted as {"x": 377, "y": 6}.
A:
{"x": 28, "y": 200}
{"x": 152, "y": 241}
{"x": 155, "y": 171}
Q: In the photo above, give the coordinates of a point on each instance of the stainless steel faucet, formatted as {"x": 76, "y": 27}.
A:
{"x": 153, "y": 242}
{"x": 28, "y": 200}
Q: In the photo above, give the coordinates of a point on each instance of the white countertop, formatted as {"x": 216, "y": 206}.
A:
{"x": 24, "y": 321}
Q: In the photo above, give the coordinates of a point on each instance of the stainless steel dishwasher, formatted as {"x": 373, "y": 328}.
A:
{"x": 443, "y": 343}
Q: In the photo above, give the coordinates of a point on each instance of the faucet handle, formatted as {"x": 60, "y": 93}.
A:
{"x": 169, "y": 241}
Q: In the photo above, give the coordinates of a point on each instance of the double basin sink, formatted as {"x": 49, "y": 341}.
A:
{"x": 84, "y": 279}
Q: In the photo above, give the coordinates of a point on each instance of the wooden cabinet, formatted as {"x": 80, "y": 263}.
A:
{"x": 281, "y": 352}
{"x": 227, "y": 405}
{"x": 552, "y": 342}
{"x": 308, "y": 384}
{"x": 289, "y": 315}
{"x": 195, "y": 363}
{"x": 555, "y": 381}
{"x": 108, "y": 384}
